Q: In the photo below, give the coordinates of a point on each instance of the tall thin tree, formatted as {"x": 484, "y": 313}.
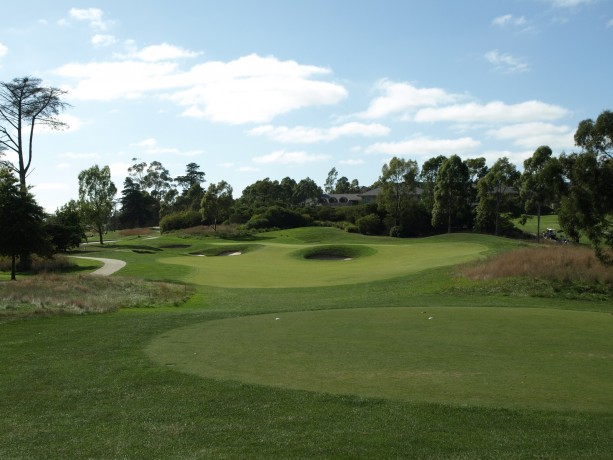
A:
{"x": 24, "y": 104}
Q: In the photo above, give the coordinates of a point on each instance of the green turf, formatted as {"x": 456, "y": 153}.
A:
{"x": 85, "y": 387}
{"x": 276, "y": 265}
{"x": 513, "y": 358}
{"x": 531, "y": 225}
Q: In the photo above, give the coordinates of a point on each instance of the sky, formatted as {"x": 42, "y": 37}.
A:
{"x": 274, "y": 88}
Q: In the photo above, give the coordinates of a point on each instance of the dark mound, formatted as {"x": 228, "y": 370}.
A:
{"x": 335, "y": 252}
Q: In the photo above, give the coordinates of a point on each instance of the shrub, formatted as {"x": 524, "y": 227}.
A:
{"x": 369, "y": 225}
{"x": 278, "y": 217}
{"x": 257, "y": 223}
{"x": 396, "y": 231}
{"x": 351, "y": 228}
{"x": 180, "y": 220}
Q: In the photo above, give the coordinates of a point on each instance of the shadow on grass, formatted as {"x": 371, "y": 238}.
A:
{"x": 141, "y": 247}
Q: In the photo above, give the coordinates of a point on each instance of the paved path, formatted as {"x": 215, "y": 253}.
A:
{"x": 110, "y": 265}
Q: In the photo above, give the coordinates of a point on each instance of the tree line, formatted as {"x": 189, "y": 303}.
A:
{"x": 446, "y": 194}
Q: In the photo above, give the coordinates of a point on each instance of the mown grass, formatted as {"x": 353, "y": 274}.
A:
{"x": 458, "y": 356}
{"x": 531, "y": 225}
{"x": 83, "y": 386}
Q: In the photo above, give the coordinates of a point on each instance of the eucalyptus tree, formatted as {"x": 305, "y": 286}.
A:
{"x": 451, "y": 193}
{"x": 588, "y": 207}
{"x": 541, "y": 182}
{"x": 25, "y": 104}
{"x": 330, "y": 182}
{"x": 96, "y": 194}
{"x": 427, "y": 177}
{"x": 494, "y": 193}
{"x": 398, "y": 183}
{"x": 307, "y": 192}
{"x": 217, "y": 203}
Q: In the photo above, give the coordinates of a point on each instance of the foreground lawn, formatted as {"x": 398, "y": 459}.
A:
{"x": 90, "y": 386}
{"x": 495, "y": 357}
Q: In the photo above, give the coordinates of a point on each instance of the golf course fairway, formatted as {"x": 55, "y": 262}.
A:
{"x": 278, "y": 266}
{"x": 496, "y": 357}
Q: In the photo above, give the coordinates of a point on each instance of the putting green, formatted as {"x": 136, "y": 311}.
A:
{"x": 275, "y": 265}
{"x": 497, "y": 357}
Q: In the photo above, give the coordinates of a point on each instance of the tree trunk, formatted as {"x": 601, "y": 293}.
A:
{"x": 538, "y": 222}
{"x": 13, "y": 267}
{"x": 497, "y": 214}
{"x": 100, "y": 234}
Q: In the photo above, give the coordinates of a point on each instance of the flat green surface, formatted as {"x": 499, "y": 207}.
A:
{"x": 275, "y": 265}
{"x": 499, "y": 357}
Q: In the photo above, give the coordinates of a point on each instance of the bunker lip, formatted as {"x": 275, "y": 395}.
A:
{"x": 327, "y": 257}
{"x": 219, "y": 254}
{"x": 334, "y": 252}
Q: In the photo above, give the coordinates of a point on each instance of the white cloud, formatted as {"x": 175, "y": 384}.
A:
{"x": 149, "y": 142}
{"x": 103, "y": 40}
{"x": 306, "y": 135}
{"x": 248, "y": 89}
{"x": 254, "y": 89}
{"x": 283, "y": 157}
{"x": 424, "y": 145}
{"x": 509, "y": 19}
{"x": 118, "y": 80}
{"x": 569, "y": 3}
{"x": 352, "y": 162}
{"x": 506, "y": 63}
{"x": 91, "y": 15}
{"x": 162, "y": 52}
{"x": 493, "y": 112}
{"x": 3, "y": 50}
{"x": 533, "y": 135}
{"x": 610, "y": 23}
{"x": 403, "y": 97}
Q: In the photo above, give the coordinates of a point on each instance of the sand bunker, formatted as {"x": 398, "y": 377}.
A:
{"x": 220, "y": 254}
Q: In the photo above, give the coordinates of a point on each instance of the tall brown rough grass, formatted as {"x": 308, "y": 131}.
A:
{"x": 568, "y": 264}
{"x": 50, "y": 294}
{"x": 136, "y": 232}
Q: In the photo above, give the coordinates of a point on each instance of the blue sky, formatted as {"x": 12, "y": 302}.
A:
{"x": 271, "y": 88}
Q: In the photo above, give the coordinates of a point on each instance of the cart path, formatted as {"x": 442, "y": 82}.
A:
{"x": 110, "y": 265}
